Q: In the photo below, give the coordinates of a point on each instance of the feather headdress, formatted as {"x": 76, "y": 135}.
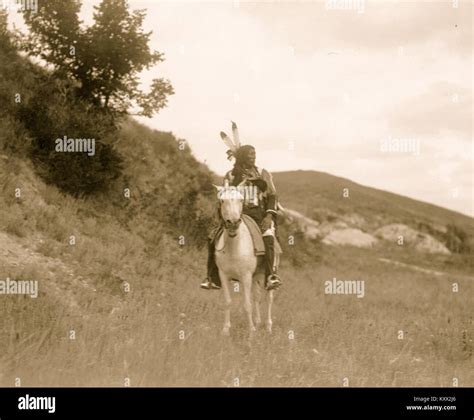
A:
{"x": 234, "y": 144}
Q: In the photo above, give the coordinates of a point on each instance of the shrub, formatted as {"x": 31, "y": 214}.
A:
{"x": 52, "y": 113}
{"x": 457, "y": 240}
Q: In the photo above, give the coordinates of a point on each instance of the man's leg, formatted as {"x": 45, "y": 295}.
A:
{"x": 212, "y": 270}
{"x": 213, "y": 280}
{"x": 271, "y": 277}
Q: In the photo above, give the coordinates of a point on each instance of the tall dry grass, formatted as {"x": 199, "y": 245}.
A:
{"x": 166, "y": 332}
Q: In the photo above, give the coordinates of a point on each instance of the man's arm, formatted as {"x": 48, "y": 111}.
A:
{"x": 271, "y": 194}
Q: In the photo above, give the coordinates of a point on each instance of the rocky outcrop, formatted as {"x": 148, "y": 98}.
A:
{"x": 354, "y": 220}
{"x": 432, "y": 246}
{"x": 349, "y": 230}
{"x": 395, "y": 231}
{"x": 350, "y": 236}
{"x": 304, "y": 224}
{"x": 422, "y": 242}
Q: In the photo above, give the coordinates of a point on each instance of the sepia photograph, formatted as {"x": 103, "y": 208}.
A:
{"x": 236, "y": 194}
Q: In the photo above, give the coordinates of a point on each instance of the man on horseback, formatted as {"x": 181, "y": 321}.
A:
{"x": 261, "y": 206}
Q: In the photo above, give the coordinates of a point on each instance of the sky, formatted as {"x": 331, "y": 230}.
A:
{"x": 377, "y": 92}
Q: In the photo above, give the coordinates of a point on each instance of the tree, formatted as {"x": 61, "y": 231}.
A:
{"x": 104, "y": 59}
{"x": 55, "y": 33}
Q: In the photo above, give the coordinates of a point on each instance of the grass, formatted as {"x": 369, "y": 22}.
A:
{"x": 137, "y": 334}
{"x": 335, "y": 337}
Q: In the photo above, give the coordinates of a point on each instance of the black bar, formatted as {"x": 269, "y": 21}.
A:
{"x": 317, "y": 403}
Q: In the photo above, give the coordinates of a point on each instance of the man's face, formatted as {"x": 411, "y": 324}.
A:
{"x": 250, "y": 158}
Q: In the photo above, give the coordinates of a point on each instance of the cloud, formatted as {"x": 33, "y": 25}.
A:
{"x": 443, "y": 108}
{"x": 310, "y": 26}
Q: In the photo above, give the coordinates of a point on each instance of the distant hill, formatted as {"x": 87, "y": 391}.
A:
{"x": 309, "y": 191}
{"x": 320, "y": 196}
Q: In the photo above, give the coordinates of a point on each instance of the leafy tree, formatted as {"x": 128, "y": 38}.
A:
{"x": 104, "y": 59}
{"x": 55, "y": 33}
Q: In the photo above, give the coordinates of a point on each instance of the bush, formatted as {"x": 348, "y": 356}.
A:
{"x": 79, "y": 174}
{"x": 457, "y": 240}
{"x": 13, "y": 137}
{"x": 53, "y": 112}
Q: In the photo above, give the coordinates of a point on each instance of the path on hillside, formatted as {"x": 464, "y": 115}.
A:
{"x": 423, "y": 270}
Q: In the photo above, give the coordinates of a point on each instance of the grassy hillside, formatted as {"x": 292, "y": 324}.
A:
{"x": 323, "y": 197}
{"x": 313, "y": 193}
{"x": 119, "y": 302}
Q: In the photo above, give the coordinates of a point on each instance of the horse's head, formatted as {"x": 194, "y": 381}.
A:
{"x": 231, "y": 203}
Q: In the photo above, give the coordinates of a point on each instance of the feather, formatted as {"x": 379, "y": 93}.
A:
{"x": 228, "y": 142}
{"x": 235, "y": 134}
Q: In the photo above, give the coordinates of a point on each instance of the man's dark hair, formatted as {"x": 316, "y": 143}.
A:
{"x": 239, "y": 167}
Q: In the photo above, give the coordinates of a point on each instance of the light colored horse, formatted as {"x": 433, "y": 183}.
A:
{"x": 235, "y": 259}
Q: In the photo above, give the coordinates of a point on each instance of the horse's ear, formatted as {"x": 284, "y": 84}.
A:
{"x": 219, "y": 189}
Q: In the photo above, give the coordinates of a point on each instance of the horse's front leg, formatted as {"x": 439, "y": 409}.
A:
{"x": 269, "y": 311}
{"x": 270, "y": 299}
{"x": 247, "y": 283}
{"x": 258, "y": 297}
{"x": 227, "y": 302}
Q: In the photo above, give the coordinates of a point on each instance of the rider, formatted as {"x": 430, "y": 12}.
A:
{"x": 262, "y": 208}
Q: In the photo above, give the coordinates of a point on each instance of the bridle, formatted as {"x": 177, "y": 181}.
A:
{"x": 232, "y": 227}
